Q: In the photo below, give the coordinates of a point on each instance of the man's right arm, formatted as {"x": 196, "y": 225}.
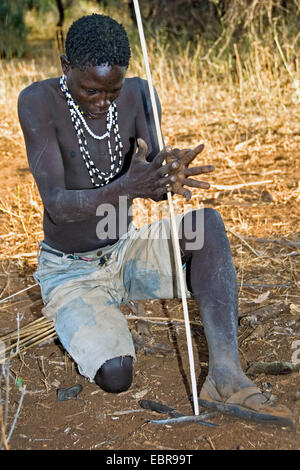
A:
{"x": 46, "y": 164}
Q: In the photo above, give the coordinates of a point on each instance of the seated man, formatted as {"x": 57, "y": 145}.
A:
{"x": 81, "y": 132}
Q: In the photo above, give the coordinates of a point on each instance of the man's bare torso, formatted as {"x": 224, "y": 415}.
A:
{"x": 45, "y": 116}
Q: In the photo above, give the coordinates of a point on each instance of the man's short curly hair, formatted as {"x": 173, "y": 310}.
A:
{"x": 96, "y": 40}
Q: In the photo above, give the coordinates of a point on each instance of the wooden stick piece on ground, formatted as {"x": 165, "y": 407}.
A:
{"x": 17, "y": 414}
{"x": 13, "y": 295}
{"x": 243, "y": 241}
{"x": 239, "y": 185}
{"x": 4, "y": 440}
{"x": 280, "y": 241}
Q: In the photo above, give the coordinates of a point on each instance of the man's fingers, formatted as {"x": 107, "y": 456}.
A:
{"x": 195, "y": 183}
{"x": 186, "y": 193}
{"x": 161, "y": 156}
{"x": 168, "y": 167}
{"x": 176, "y": 154}
{"x": 142, "y": 149}
{"x": 198, "y": 170}
{"x": 192, "y": 154}
{"x": 167, "y": 180}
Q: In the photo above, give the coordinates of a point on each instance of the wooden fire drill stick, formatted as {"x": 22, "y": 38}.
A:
{"x": 175, "y": 239}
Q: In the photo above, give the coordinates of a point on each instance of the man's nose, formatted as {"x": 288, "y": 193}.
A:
{"x": 103, "y": 101}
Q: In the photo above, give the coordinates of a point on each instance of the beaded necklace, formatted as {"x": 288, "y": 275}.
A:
{"x": 116, "y": 159}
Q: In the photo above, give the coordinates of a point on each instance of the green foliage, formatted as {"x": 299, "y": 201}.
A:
{"x": 41, "y": 6}
{"x": 12, "y": 28}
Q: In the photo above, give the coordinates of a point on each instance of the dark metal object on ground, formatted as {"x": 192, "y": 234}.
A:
{"x": 64, "y": 394}
{"x": 175, "y": 417}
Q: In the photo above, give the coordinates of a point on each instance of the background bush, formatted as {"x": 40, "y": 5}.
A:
{"x": 12, "y": 28}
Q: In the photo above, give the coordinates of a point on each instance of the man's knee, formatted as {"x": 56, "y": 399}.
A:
{"x": 200, "y": 228}
{"x": 213, "y": 222}
{"x": 115, "y": 375}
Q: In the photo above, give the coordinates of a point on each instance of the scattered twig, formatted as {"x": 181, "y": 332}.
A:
{"x": 280, "y": 241}
{"x": 42, "y": 368}
{"x": 274, "y": 368}
{"x": 243, "y": 241}
{"x": 20, "y": 291}
{"x": 293, "y": 253}
{"x": 265, "y": 286}
{"x": 17, "y": 414}
{"x": 5, "y": 287}
{"x": 21, "y": 255}
{"x": 5, "y": 371}
{"x": 210, "y": 443}
{"x": 237, "y": 186}
{"x": 4, "y": 440}
{"x": 126, "y": 412}
{"x": 159, "y": 319}
{"x": 19, "y": 319}
{"x": 266, "y": 311}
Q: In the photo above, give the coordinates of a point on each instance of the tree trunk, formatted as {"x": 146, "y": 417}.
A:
{"x": 61, "y": 12}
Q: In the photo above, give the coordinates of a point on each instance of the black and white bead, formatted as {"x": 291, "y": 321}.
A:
{"x": 116, "y": 159}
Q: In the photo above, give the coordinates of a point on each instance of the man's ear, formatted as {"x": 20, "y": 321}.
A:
{"x": 65, "y": 64}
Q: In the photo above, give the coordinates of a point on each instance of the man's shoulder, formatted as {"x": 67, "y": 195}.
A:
{"x": 136, "y": 91}
{"x": 35, "y": 103}
{"x": 133, "y": 84}
{"x": 134, "y": 81}
{"x": 38, "y": 91}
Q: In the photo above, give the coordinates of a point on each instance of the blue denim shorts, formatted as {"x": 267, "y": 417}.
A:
{"x": 82, "y": 292}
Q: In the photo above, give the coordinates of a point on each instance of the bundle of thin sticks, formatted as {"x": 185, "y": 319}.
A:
{"x": 22, "y": 339}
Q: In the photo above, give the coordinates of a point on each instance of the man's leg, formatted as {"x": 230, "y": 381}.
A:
{"x": 211, "y": 277}
{"x": 95, "y": 333}
{"x": 115, "y": 375}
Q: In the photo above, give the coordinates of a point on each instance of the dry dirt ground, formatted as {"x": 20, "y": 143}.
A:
{"x": 269, "y": 327}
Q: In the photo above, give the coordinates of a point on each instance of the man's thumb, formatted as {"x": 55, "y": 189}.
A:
{"x": 142, "y": 148}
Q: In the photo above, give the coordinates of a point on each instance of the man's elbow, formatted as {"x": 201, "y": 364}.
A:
{"x": 57, "y": 208}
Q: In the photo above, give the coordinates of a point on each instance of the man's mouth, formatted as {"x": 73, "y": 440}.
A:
{"x": 97, "y": 115}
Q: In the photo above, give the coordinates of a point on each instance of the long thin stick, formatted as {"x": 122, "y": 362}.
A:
{"x": 238, "y": 186}
{"x": 16, "y": 415}
{"x": 23, "y": 290}
{"x": 172, "y": 213}
{"x": 2, "y": 429}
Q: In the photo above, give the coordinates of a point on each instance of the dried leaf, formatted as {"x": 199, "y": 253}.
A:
{"x": 295, "y": 309}
{"x": 140, "y": 394}
{"x": 262, "y": 297}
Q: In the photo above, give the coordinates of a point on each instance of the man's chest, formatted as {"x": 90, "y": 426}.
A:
{"x": 79, "y": 153}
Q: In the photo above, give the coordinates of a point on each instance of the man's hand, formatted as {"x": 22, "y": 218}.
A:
{"x": 150, "y": 179}
{"x": 180, "y": 176}
{"x": 153, "y": 179}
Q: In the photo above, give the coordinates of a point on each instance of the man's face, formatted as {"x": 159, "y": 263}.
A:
{"x": 95, "y": 88}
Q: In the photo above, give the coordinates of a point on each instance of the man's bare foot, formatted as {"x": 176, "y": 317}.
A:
{"x": 231, "y": 392}
{"x": 229, "y": 381}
